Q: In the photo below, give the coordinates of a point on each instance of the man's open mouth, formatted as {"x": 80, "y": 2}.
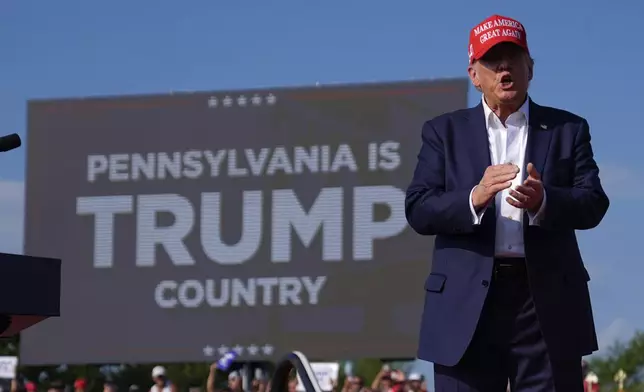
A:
{"x": 506, "y": 81}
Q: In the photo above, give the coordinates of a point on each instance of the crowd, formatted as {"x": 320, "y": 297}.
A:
{"x": 387, "y": 380}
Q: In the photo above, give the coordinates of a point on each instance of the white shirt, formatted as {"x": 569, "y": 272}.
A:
{"x": 508, "y": 145}
{"x": 166, "y": 388}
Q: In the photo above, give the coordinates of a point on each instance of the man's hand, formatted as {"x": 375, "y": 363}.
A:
{"x": 495, "y": 179}
{"x": 528, "y": 196}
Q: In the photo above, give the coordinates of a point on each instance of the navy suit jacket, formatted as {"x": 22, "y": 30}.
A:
{"x": 452, "y": 159}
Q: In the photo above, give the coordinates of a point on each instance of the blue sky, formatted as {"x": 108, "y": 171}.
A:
{"x": 587, "y": 60}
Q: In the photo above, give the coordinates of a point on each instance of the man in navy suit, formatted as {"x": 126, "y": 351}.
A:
{"x": 503, "y": 186}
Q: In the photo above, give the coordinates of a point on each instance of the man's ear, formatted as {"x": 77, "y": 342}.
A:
{"x": 530, "y": 68}
{"x": 471, "y": 71}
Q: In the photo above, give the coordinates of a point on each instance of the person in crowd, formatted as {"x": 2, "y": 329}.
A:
{"x": 80, "y": 385}
{"x": 16, "y": 385}
{"x": 415, "y": 382}
{"x": 259, "y": 384}
{"x": 503, "y": 187}
{"x": 353, "y": 384}
{"x": 211, "y": 382}
{"x": 292, "y": 385}
{"x": 56, "y": 386}
{"x": 235, "y": 382}
{"x": 382, "y": 382}
{"x": 399, "y": 380}
{"x": 109, "y": 386}
{"x": 585, "y": 368}
{"x": 161, "y": 381}
{"x": 31, "y": 386}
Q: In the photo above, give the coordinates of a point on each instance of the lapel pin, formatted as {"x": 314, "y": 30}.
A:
{"x": 544, "y": 126}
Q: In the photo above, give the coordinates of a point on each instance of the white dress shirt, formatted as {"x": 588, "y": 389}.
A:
{"x": 508, "y": 145}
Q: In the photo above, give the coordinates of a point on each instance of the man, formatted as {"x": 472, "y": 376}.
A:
{"x": 382, "y": 382}
{"x": 415, "y": 382}
{"x": 260, "y": 382}
{"x": 235, "y": 382}
{"x": 503, "y": 186}
{"x": 161, "y": 381}
{"x": 234, "y": 379}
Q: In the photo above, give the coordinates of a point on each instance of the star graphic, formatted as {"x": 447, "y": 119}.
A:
{"x": 222, "y": 350}
{"x": 256, "y": 100}
{"x": 252, "y": 349}
{"x": 208, "y": 351}
{"x": 242, "y": 100}
{"x": 268, "y": 349}
{"x": 213, "y": 102}
{"x": 271, "y": 99}
{"x": 228, "y": 101}
{"x": 238, "y": 349}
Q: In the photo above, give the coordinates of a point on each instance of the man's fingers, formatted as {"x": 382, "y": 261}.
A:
{"x": 505, "y": 168}
{"x": 515, "y": 203}
{"x": 496, "y": 188}
{"x": 498, "y": 179}
{"x": 534, "y": 184}
{"x": 503, "y": 177}
{"x": 523, "y": 197}
{"x": 501, "y": 169}
{"x": 525, "y": 190}
{"x": 532, "y": 171}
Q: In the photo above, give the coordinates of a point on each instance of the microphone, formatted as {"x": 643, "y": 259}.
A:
{"x": 9, "y": 142}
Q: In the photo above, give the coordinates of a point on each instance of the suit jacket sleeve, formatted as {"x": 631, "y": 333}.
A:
{"x": 583, "y": 205}
{"x": 429, "y": 207}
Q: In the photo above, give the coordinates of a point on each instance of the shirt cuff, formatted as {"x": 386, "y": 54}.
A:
{"x": 477, "y": 218}
{"x": 535, "y": 219}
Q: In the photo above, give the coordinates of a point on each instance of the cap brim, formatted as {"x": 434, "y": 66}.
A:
{"x": 477, "y": 55}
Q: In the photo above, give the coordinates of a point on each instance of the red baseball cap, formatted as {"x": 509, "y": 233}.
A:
{"x": 80, "y": 383}
{"x": 492, "y": 31}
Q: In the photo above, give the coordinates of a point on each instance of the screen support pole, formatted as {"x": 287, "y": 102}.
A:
{"x": 246, "y": 376}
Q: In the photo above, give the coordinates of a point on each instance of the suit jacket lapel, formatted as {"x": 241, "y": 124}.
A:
{"x": 539, "y": 135}
{"x": 479, "y": 151}
{"x": 479, "y": 146}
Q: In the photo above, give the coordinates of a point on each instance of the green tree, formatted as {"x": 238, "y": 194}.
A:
{"x": 367, "y": 368}
{"x": 627, "y": 356}
{"x": 9, "y": 346}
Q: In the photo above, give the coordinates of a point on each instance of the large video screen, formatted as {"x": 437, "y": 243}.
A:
{"x": 260, "y": 221}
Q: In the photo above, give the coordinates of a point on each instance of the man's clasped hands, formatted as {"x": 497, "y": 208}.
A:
{"x": 527, "y": 196}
